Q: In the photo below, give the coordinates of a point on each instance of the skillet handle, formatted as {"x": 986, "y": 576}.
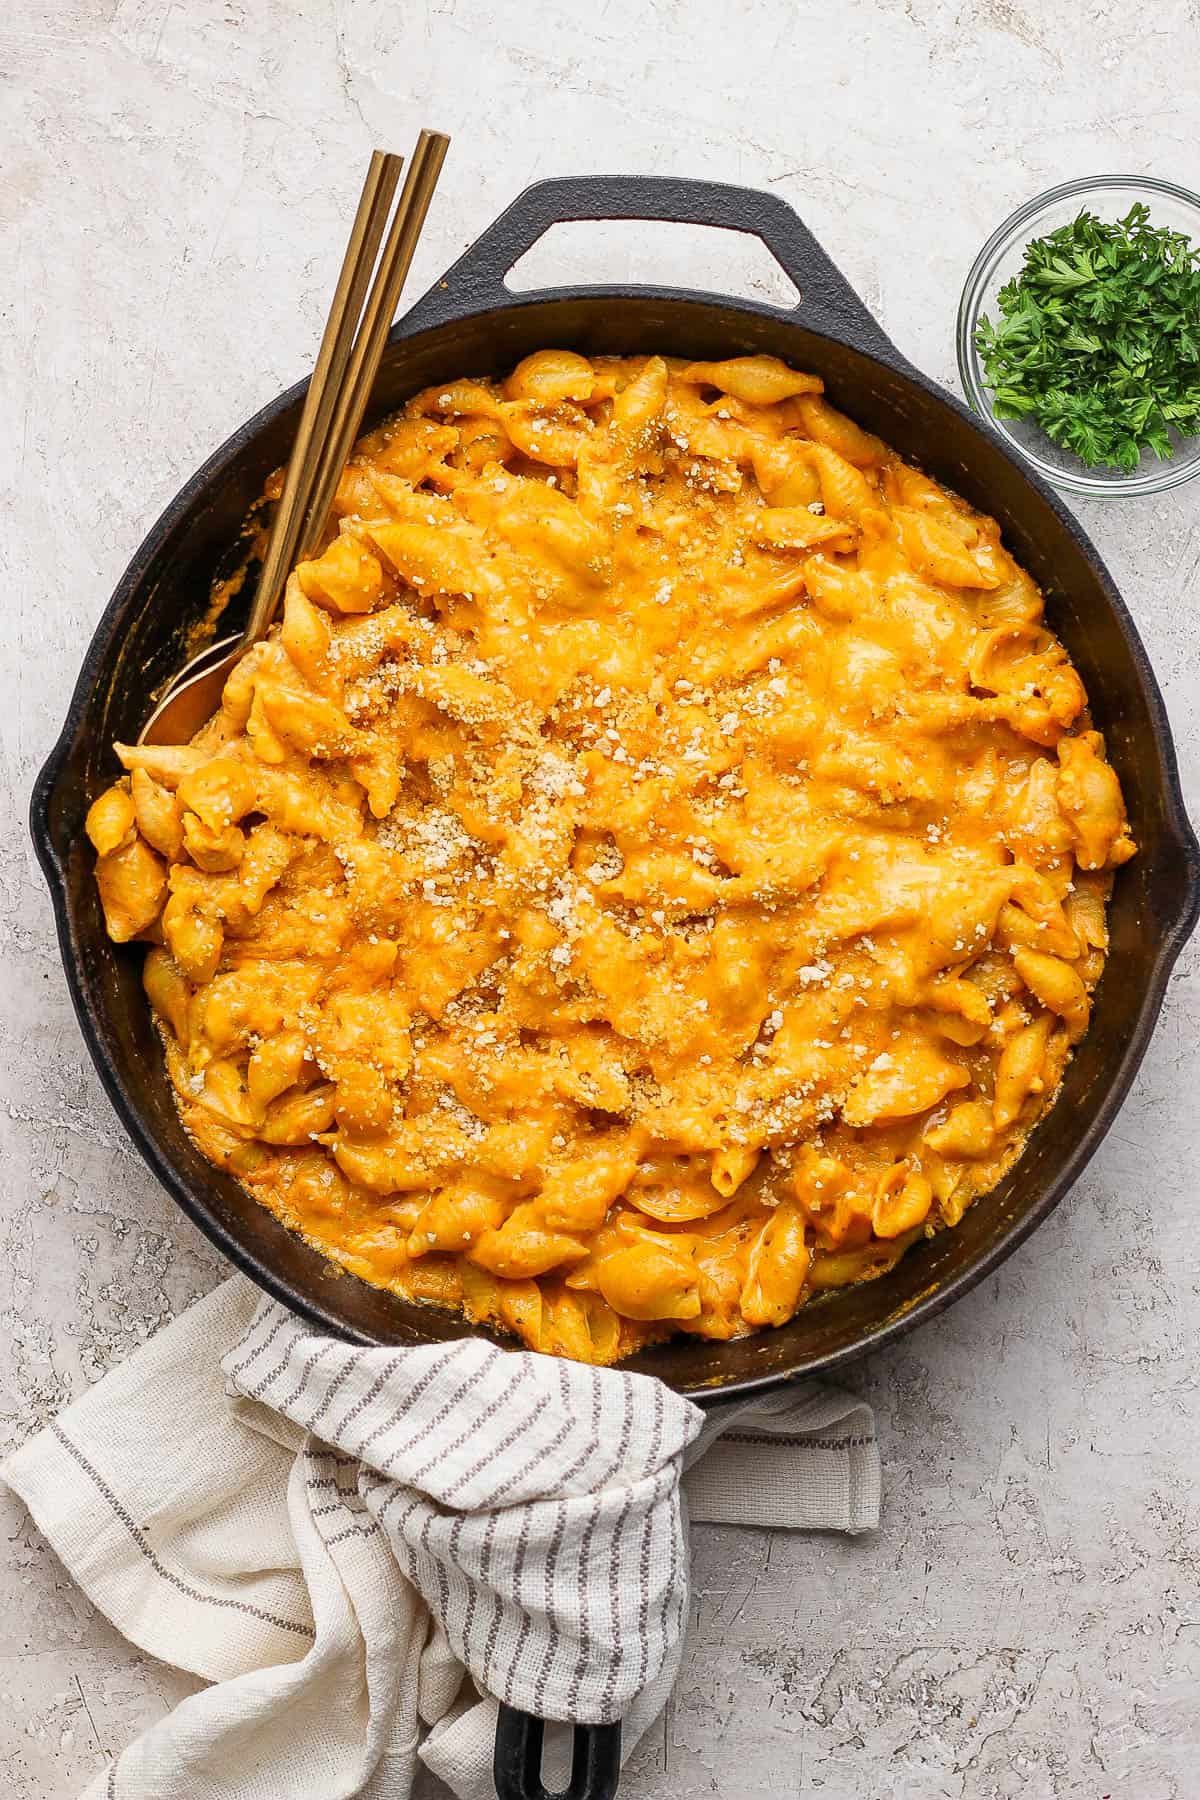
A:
{"x": 517, "y": 1765}
{"x": 475, "y": 283}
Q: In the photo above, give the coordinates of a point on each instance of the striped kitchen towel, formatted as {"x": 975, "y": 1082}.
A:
{"x": 362, "y": 1550}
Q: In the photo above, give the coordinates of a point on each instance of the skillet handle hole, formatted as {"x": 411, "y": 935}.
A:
{"x": 603, "y": 252}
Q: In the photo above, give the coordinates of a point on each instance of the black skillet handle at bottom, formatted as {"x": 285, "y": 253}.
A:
{"x": 517, "y": 1765}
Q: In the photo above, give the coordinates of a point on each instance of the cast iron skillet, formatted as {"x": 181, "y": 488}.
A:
{"x": 471, "y": 323}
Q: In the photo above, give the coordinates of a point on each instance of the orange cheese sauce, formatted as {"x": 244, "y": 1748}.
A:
{"x": 655, "y": 870}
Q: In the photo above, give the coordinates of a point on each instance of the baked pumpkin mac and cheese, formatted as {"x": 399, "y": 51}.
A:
{"x": 655, "y": 870}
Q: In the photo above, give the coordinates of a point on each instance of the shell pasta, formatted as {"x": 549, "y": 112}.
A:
{"x": 655, "y": 870}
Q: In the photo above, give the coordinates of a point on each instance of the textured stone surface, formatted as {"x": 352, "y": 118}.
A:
{"x": 176, "y": 187}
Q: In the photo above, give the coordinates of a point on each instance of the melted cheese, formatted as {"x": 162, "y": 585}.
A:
{"x": 654, "y": 872}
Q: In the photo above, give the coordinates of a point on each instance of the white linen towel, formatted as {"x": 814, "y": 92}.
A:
{"x": 332, "y": 1535}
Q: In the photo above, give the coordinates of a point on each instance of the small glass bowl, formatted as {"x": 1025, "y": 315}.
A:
{"x": 1109, "y": 197}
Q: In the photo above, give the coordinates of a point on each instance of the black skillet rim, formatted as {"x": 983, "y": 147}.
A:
{"x": 837, "y": 327}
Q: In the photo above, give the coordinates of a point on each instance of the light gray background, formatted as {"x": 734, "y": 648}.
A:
{"x": 175, "y": 189}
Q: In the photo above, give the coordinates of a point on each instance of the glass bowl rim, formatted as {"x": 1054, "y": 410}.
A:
{"x": 1158, "y": 479}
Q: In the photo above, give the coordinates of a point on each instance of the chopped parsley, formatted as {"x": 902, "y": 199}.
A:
{"x": 1098, "y": 339}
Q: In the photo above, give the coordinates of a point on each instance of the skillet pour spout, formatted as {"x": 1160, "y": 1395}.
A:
{"x": 471, "y": 323}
